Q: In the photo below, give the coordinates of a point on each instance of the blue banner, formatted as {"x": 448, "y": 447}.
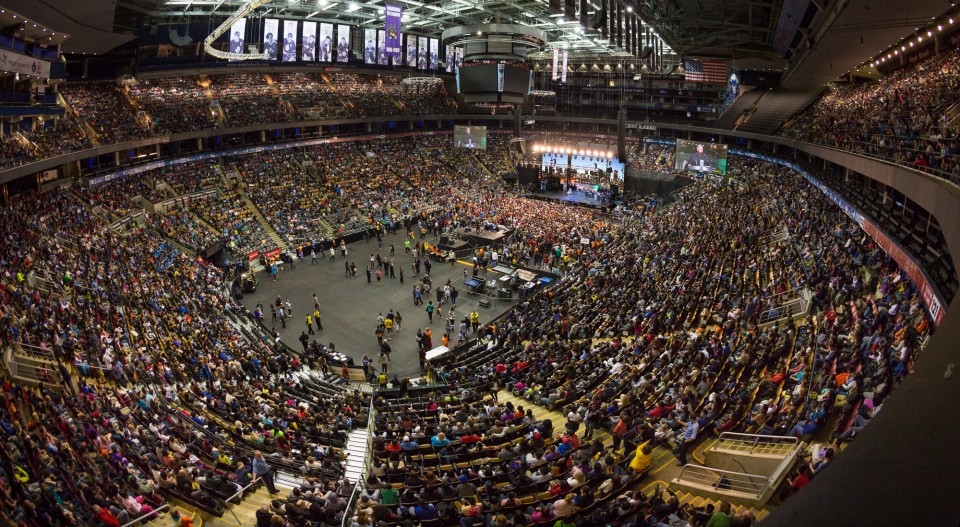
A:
{"x": 392, "y": 29}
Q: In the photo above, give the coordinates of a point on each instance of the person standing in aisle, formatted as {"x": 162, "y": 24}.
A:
{"x": 262, "y": 470}
{"x": 384, "y": 360}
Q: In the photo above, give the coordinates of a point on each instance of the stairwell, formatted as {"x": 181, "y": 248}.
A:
{"x": 333, "y": 87}
{"x": 357, "y": 449}
{"x": 204, "y": 82}
{"x": 775, "y": 107}
{"x": 267, "y": 226}
{"x": 82, "y": 123}
{"x": 744, "y": 103}
{"x": 700, "y": 502}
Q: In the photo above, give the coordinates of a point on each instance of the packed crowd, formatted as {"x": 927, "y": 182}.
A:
{"x": 14, "y": 152}
{"x": 180, "y": 225}
{"x": 121, "y": 196}
{"x": 902, "y": 117}
{"x": 175, "y": 104}
{"x": 197, "y": 392}
{"x": 58, "y": 137}
{"x": 246, "y": 99}
{"x": 310, "y": 95}
{"x": 656, "y": 330}
{"x": 418, "y": 99}
{"x": 657, "y": 326}
{"x": 363, "y": 95}
{"x": 181, "y": 104}
{"x": 104, "y": 107}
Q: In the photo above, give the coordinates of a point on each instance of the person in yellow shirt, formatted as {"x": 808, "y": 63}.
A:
{"x": 642, "y": 459}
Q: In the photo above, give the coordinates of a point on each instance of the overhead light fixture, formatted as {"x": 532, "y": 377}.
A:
{"x": 629, "y": 9}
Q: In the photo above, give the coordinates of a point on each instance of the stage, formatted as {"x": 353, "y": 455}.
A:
{"x": 575, "y": 197}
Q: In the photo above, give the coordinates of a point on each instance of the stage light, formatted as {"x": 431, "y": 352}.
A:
{"x": 939, "y": 27}
{"x": 903, "y": 48}
{"x": 911, "y": 43}
{"x": 929, "y": 33}
{"x": 951, "y": 21}
{"x": 920, "y": 39}
{"x": 896, "y": 52}
{"x": 609, "y": 155}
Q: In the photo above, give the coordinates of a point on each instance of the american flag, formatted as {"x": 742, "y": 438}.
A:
{"x": 706, "y": 71}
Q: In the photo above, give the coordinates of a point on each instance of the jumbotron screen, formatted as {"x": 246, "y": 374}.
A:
{"x": 470, "y": 137}
{"x": 701, "y": 157}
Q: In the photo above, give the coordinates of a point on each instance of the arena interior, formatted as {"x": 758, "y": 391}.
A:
{"x": 479, "y": 263}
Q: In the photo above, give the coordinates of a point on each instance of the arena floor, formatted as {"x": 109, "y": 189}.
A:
{"x": 349, "y": 306}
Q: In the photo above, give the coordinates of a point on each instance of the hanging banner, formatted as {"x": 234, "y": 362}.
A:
{"x": 563, "y": 72}
{"x": 422, "y": 52}
{"x": 308, "y": 46}
{"x": 412, "y": 51}
{"x": 556, "y": 64}
{"x": 434, "y": 53}
{"x": 500, "y": 68}
{"x": 451, "y": 59}
{"x": 289, "y": 40}
{"x": 343, "y": 43}
{"x": 271, "y": 27}
{"x": 237, "y": 32}
{"x": 370, "y": 46}
{"x": 325, "y": 43}
{"x": 382, "y": 58}
{"x": 394, "y": 15}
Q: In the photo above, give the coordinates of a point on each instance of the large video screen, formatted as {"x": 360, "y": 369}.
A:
{"x": 470, "y": 137}
{"x": 485, "y": 78}
{"x": 701, "y": 157}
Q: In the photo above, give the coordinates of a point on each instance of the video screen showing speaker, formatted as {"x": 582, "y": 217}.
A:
{"x": 701, "y": 157}
{"x": 470, "y": 137}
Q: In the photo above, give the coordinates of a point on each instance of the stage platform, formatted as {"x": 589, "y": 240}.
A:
{"x": 575, "y": 198}
{"x": 464, "y": 237}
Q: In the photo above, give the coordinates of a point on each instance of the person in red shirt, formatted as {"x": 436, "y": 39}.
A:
{"x": 798, "y": 482}
{"x": 106, "y": 517}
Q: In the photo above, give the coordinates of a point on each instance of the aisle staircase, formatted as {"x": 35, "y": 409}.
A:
{"x": 700, "y": 502}
{"x": 356, "y": 451}
{"x": 745, "y": 103}
{"x": 775, "y": 108}
{"x": 267, "y": 226}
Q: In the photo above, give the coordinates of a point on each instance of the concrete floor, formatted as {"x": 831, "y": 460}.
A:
{"x": 349, "y": 306}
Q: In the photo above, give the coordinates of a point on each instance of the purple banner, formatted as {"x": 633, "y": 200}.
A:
{"x": 392, "y": 29}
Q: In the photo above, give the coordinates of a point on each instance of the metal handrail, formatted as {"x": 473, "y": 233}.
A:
{"x": 238, "y": 493}
{"x": 151, "y": 513}
{"x": 697, "y": 472}
{"x": 244, "y": 489}
{"x": 777, "y": 439}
